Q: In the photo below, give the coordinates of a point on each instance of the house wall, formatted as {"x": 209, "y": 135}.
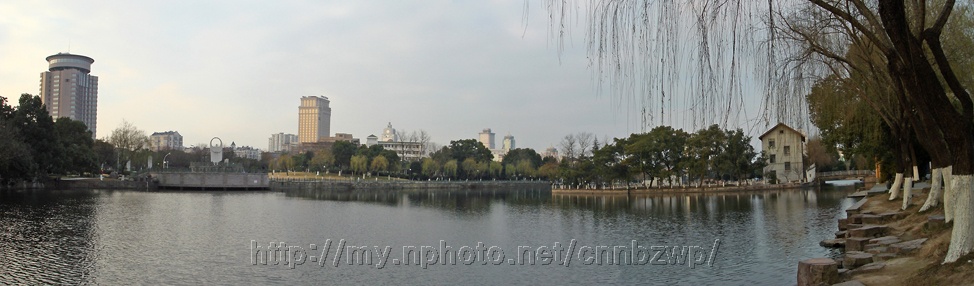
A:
{"x": 782, "y": 137}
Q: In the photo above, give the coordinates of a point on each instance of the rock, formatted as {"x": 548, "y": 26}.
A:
{"x": 855, "y": 259}
{"x": 856, "y": 208}
{"x": 935, "y": 222}
{"x": 833, "y": 243}
{"x": 888, "y": 216}
{"x": 817, "y": 271}
{"x": 886, "y": 240}
{"x": 840, "y": 234}
{"x": 884, "y": 256}
{"x": 906, "y": 246}
{"x": 850, "y": 283}
{"x": 843, "y": 224}
{"x": 853, "y": 225}
{"x": 857, "y": 218}
{"x": 856, "y": 243}
{"x": 872, "y": 219}
{"x": 873, "y": 266}
{"x": 868, "y": 231}
{"x": 876, "y": 249}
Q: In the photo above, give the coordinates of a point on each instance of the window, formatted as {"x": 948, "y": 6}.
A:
{"x": 787, "y": 150}
{"x": 770, "y": 143}
{"x": 771, "y": 160}
{"x": 787, "y": 166}
{"x": 781, "y": 132}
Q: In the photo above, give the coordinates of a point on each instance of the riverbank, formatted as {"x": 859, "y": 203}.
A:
{"x": 351, "y": 185}
{"x": 714, "y": 189}
{"x": 85, "y": 183}
{"x": 884, "y": 245}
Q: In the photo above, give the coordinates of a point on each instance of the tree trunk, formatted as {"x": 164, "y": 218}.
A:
{"x": 894, "y": 191}
{"x": 962, "y": 235}
{"x": 907, "y": 191}
{"x": 948, "y": 194}
{"x": 935, "y": 118}
{"x": 933, "y": 198}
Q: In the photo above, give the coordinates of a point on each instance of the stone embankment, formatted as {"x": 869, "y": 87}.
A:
{"x": 867, "y": 240}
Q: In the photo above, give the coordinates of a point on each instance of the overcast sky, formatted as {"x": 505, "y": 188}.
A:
{"x": 237, "y": 69}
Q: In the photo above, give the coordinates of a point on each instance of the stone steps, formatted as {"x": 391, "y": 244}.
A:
{"x": 868, "y": 242}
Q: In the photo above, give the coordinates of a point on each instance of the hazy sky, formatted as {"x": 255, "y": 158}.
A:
{"x": 237, "y": 69}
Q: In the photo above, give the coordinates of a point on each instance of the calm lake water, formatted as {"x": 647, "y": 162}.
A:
{"x": 129, "y": 237}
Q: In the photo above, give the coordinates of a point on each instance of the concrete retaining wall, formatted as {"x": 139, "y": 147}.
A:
{"x": 212, "y": 181}
{"x": 103, "y": 184}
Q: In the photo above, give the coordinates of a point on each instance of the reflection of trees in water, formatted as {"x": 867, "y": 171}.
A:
{"x": 472, "y": 201}
{"x": 389, "y": 198}
{"x": 475, "y": 201}
{"x": 700, "y": 207}
{"x": 51, "y": 235}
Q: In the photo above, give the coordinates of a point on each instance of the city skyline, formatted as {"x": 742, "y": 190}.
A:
{"x": 211, "y": 71}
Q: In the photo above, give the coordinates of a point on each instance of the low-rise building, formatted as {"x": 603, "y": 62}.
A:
{"x": 784, "y": 147}
{"x": 169, "y": 140}
{"x": 407, "y": 151}
{"x": 247, "y": 152}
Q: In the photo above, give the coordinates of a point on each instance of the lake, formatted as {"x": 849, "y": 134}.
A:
{"x": 412, "y": 237}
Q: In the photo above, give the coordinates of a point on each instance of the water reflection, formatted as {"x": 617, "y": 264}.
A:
{"x": 78, "y": 237}
{"x": 46, "y": 237}
{"x": 463, "y": 201}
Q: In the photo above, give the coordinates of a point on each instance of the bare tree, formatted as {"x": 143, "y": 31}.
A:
{"x": 424, "y": 138}
{"x": 127, "y": 140}
{"x": 569, "y": 147}
{"x": 585, "y": 140}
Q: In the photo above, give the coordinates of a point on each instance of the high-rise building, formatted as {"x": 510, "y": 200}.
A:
{"x": 508, "y": 143}
{"x": 314, "y": 119}
{"x": 487, "y": 138}
{"x": 68, "y": 90}
{"x": 281, "y": 142}
{"x": 169, "y": 140}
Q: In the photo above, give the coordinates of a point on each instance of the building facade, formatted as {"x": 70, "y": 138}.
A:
{"x": 169, "y": 140}
{"x": 246, "y": 152}
{"x": 784, "y": 148}
{"x": 407, "y": 151}
{"x": 68, "y": 90}
{"x": 281, "y": 142}
{"x": 487, "y": 138}
{"x": 325, "y": 143}
{"x": 551, "y": 152}
{"x": 371, "y": 140}
{"x": 389, "y": 134}
{"x": 314, "y": 119}
{"x": 508, "y": 144}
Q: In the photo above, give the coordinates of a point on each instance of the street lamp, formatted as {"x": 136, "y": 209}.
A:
{"x": 165, "y": 164}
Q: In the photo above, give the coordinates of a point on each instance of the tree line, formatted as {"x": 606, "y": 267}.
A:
{"x": 33, "y": 145}
{"x": 662, "y": 156}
